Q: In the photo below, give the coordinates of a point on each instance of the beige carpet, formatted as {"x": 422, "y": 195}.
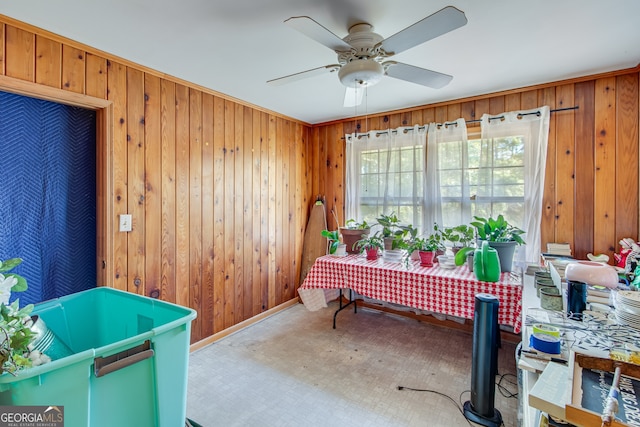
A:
{"x": 293, "y": 369}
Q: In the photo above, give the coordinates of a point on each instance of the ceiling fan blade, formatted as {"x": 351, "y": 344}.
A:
{"x": 418, "y": 75}
{"x": 432, "y": 26}
{"x": 353, "y": 96}
{"x": 303, "y": 75}
{"x": 317, "y": 32}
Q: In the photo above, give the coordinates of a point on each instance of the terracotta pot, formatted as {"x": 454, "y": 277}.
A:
{"x": 351, "y": 236}
{"x": 426, "y": 258}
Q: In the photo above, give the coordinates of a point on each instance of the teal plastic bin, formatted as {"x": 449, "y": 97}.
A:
{"x": 128, "y": 365}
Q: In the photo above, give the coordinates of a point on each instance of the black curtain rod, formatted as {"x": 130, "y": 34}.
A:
{"x": 469, "y": 121}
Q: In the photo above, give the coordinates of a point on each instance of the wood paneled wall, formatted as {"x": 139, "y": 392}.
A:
{"x": 591, "y": 183}
{"x": 219, "y": 191}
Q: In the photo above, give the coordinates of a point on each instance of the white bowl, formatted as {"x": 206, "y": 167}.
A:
{"x": 592, "y": 273}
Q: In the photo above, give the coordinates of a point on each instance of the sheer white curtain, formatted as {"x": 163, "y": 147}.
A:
{"x": 533, "y": 127}
{"x": 454, "y": 134}
{"x": 385, "y": 173}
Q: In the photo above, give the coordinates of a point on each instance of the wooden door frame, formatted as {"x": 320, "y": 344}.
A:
{"x": 104, "y": 163}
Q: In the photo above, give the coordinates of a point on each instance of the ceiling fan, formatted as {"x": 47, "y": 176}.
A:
{"x": 363, "y": 56}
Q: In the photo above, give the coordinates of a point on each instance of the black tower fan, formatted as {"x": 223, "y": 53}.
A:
{"x": 484, "y": 364}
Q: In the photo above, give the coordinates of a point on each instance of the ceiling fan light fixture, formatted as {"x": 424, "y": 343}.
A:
{"x": 363, "y": 72}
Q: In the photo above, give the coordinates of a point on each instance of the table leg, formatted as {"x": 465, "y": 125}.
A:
{"x": 352, "y": 300}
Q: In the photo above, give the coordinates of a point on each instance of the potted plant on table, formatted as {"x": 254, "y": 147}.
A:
{"x": 333, "y": 240}
{"x": 501, "y": 235}
{"x": 392, "y": 232}
{"x": 371, "y": 245}
{"x": 352, "y": 232}
{"x": 427, "y": 249}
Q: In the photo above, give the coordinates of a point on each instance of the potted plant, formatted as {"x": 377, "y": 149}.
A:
{"x": 371, "y": 245}
{"x": 501, "y": 235}
{"x": 392, "y": 232}
{"x": 462, "y": 239}
{"x": 15, "y": 323}
{"x": 411, "y": 242}
{"x": 333, "y": 240}
{"x": 352, "y": 232}
{"x": 460, "y": 236}
{"x": 427, "y": 249}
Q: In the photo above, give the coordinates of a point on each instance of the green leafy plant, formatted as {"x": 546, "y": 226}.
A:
{"x": 390, "y": 225}
{"x": 459, "y": 236}
{"x": 15, "y": 323}
{"x": 497, "y": 230}
{"x": 370, "y": 242}
{"x": 352, "y": 224}
{"x": 334, "y": 239}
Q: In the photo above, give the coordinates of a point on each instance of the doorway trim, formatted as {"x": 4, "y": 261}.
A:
{"x": 104, "y": 162}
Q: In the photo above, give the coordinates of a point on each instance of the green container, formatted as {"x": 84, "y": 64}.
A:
{"x": 128, "y": 367}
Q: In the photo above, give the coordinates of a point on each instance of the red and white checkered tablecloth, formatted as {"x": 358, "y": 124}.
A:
{"x": 436, "y": 289}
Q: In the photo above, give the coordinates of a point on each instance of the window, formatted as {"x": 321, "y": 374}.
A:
{"x": 385, "y": 174}
{"x": 481, "y": 178}
{"x": 389, "y": 182}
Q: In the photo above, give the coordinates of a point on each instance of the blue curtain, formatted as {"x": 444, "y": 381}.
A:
{"x": 48, "y": 195}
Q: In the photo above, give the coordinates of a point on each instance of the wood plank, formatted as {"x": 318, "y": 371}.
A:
{"x": 440, "y": 114}
{"x": 247, "y": 213}
{"x": 153, "y": 186}
{"x": 238, "y": 209}
{"x": 529, "y": 100}
{"x": 73, "y": 69}
{"x": 182, "y": 266}
{"x": 135, "y": 180}
{"x": 512, "y": 102}
{"x": 48, "y": 62}
{"x": 429, "y": 115}
{"x": 195, "y": 209}
{"x": 96, "y": 78}
{"x": 280, "y": 221}
{"x": 468, "y": 110}
{"x": 256, "y": 213}
{"x": 627, "y": 161}
{"x": 208, "y": 231}
{"x": 265, "y": 215}
{"x": 2, "y": 48}
{"x": 416, "y": 118}
{"x": 584, "y": 174}
{"x": 271, "y": 209}
{"x": 605, "y": 165}
{"x": 229, "y": 214}
{"x": 219, "y": 280}
{"x": 496, "y": 105}
{"x": 287, "y": 240}
{"x": 482, "y": 107}
{"x": 117, "y": 81}
{"x": 19, "y": 53}
{"x": 168, "y": 165}
{"x": 565, "y": 166}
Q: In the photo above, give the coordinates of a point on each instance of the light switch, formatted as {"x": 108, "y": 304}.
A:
{"x": 125, "y": 222}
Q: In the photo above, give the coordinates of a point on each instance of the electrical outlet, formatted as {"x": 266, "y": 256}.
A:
{"x": 125, "y": 222}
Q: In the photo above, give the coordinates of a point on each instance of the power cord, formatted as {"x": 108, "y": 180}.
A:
{"x": 459, "y": 404}
{"x": 458, "y": 407}
{"x": 505, "y": 392}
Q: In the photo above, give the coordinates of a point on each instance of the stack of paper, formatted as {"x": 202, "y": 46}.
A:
{"x": 563, "y": 249}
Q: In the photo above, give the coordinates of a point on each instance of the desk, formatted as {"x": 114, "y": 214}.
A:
{"x": 436, "y": 289}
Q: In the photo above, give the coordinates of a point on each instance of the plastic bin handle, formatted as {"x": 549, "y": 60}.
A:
{"x": 108, "y": 364}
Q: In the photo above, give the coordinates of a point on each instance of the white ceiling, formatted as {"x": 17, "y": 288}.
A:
{"x": 234, "y": 47}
